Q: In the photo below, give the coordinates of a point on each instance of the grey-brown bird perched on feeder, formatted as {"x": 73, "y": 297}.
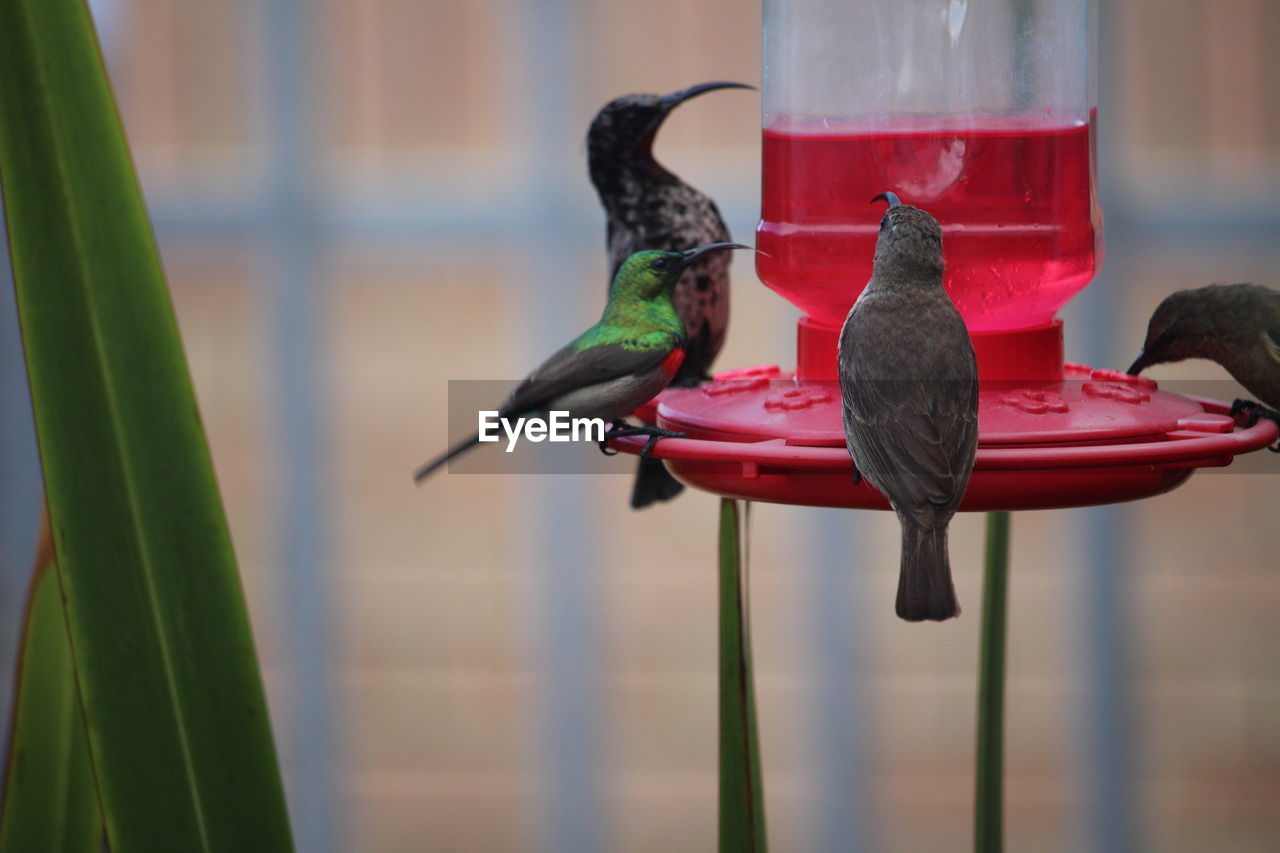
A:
{"x": 909, "y": 381}
{"x": 1236, "y": 325}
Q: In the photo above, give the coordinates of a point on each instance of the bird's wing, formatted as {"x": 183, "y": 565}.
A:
{"x": 913, "y": 437}
{"x": 570, "y": 369}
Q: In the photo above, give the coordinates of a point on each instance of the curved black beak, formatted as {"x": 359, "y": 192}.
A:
{"x": 670, "y": 102}
{"x": 1141, "y": 363}
{"x": 690, "y": 255}
{"x": 888, "y": 196}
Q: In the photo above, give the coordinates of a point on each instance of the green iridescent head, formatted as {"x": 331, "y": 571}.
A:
{"x": 651, "y": 274}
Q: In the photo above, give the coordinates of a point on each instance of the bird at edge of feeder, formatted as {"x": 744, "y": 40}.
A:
{"x": 909, "y": 385}
{"x": 622, "y": 361}
{"x": 648, "y": 207}
{"x": 1236, "y": 325}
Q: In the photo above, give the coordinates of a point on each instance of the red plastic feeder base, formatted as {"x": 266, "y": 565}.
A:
{"x": 1086, "y": 437}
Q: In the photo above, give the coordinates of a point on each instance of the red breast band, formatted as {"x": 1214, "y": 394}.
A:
{"x": 672, "y": 362}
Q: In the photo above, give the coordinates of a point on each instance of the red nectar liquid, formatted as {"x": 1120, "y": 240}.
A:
{"x": 1020, "y": 222}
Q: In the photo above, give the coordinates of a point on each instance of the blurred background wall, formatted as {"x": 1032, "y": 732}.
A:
{"x": 359, "y": 200}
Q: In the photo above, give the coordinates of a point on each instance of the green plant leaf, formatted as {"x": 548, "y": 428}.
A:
{"x": 742, "y": 825}
{"x": 177, "y": 722}
{"x": 988, "y": 823}
{"x": 50, "y": 803}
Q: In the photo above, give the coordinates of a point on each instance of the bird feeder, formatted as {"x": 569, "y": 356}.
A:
{"x": 983, "y": 114}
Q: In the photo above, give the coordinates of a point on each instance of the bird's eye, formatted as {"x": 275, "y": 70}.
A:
{"x": 659, "y": 264}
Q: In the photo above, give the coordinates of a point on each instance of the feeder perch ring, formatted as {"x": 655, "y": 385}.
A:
{"x": 1094, "y": 437}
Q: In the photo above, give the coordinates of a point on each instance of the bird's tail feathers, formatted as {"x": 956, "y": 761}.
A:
{"x": 653, "y": 483}
{"x": 430, "y": 468}
{"x": 925, "y": 590}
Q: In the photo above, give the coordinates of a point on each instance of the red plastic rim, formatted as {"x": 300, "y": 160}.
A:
{"x": 1189, "y": 445}
{"x": 1096, "y": 437}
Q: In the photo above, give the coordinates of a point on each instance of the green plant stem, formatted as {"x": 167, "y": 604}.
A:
{"x": 742, "y": 826}
{"x": 989, "y": 802}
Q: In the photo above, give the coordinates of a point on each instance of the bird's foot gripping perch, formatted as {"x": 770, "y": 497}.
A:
{"x": 1254, "y": 412}
{"x": 622, "y": 429}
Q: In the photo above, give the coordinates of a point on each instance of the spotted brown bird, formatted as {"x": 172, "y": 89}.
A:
{"x": 909, "y": 382}
{"x": 1236, "y": 325}
{"x": 622, "y": 361}
{"x": 648, "y": 207}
